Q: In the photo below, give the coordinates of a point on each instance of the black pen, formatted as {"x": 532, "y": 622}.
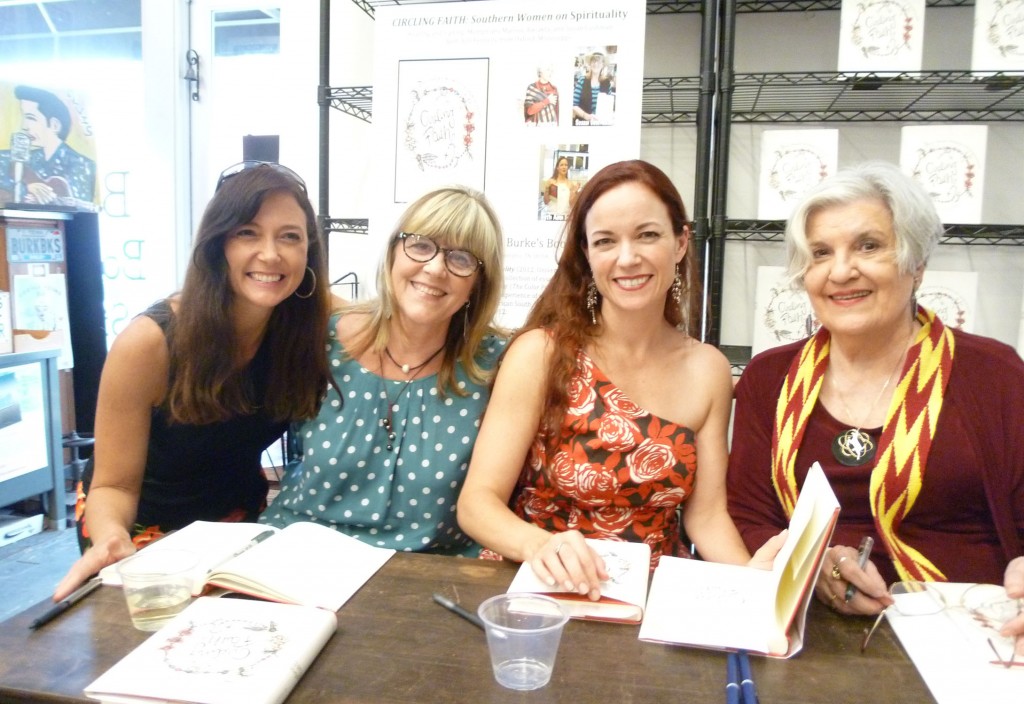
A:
{"x": 251, "y": 544}
{"x": 456, "y": 609}
{"x": 863, "y": 553}
{"x": 67, "y": 602}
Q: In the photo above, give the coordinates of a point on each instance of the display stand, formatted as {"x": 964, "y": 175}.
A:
{"x": 31, "y": 461}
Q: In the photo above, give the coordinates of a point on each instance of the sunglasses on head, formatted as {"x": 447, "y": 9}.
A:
{"x": 241, "y": 166}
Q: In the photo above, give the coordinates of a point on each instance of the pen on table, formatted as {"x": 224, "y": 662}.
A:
{"x": 251, "y": 544}
{"x": 456, "y": 609}
{"x": 747, "y": 683}
{"x": 863, "y": 554}
{"x": 732, "y": 679}
{"x": 67, "y": 602}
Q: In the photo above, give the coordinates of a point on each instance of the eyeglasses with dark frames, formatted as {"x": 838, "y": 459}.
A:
{"x": 422, "y": 249}
{"x": 241, "y": 166}
{"x": 987, "y": 605}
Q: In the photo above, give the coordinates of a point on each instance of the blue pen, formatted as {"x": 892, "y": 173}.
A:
{"x": 732, "y": 684}
{"x": 747, "y": 683}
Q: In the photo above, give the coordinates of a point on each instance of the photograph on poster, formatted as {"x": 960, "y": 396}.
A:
{"x": 442, "y": 125}
{"x": 881, "y": 35}
{"x": 949, "y": 162}
{"x": 22, "y": 420}
{"x": 593, "y": 95}
{"x": 540, "y": 102}
{"x": 51, "y": 154}
{"x": 564, "y": 170}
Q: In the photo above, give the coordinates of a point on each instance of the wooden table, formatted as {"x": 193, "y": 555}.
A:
{"x": 394, "y": 644}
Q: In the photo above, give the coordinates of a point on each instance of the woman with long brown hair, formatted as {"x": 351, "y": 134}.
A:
{"x": 605, "y": 400}
{"x": 199, "y": 384}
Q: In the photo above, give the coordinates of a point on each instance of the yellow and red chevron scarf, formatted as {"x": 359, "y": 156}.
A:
{"x": 906, "y": 439}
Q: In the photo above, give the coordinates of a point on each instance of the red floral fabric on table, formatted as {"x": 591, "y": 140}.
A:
{"x": 619, "y": 472}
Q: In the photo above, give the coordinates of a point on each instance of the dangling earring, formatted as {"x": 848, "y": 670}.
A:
{"x": 592, "y": 301}
{"x": 677, "y": 288}
{"x": 465, "y": 322}
{"x": 312, "y": 290}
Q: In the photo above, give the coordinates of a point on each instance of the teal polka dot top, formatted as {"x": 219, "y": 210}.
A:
{"x": 403, "y": 498}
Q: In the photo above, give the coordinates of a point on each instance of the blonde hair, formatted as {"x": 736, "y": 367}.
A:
{"x": 462, "y": 218}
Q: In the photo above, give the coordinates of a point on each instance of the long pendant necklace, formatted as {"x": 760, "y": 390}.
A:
{"x": 387, "y": 422}
{"x": 853, "y": 447}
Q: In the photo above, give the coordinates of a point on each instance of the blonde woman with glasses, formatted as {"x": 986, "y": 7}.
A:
{"x": 199, "y": 384}
{"x": 385, "y": 459}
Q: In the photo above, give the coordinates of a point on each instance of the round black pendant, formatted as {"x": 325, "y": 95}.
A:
{"x": 853, "y": 447}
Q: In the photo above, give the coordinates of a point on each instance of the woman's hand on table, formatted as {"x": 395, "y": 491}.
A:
{"x": 94, "y": 559}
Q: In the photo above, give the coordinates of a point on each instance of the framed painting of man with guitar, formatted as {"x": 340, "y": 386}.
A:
{"x": 50, "y": 160}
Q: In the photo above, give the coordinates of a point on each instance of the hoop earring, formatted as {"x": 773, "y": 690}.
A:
{"x": 592, "y": 301}
{"x": 677, "y": 288}
{"x": 311, "y": 290}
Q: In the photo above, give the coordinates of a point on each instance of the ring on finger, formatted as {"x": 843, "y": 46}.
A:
{"x": 835, "y": 568}
{"x": 832, "y": 601}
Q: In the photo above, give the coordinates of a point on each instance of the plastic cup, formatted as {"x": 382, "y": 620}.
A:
{"x": 523, "y": 632}
{"x": 157, "y": 585}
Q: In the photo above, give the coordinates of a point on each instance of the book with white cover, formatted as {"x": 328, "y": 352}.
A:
{"x": 782, "y": 313}
{"x": 997, "y": 46}
{"x": 735, "y": 607}
{"x": 623, "y": 594}
{"x": 881, "y": 36}
{"x": 792, "y": 163}
{"x": 304, "y": 563}
{"x": 952, "y": 295}
{"x": 949, "y": 162}
{"x": 220, "y": 651}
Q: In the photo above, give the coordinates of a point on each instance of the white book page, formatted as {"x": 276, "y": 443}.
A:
{"x": 212, "y": 541}
{"x": 628, "y": 565}
{"x": 305, "y": 563}
{"x": 709, "y": 604}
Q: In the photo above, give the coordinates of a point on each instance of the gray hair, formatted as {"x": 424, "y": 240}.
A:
{"x": 915, "y": 222}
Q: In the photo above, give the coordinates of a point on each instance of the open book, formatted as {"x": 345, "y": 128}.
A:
{"x": 305, "y": 563}
{"x": 220, "y": 651}
{"x": 712, "y": 605}
{"x": 623, "y": 595}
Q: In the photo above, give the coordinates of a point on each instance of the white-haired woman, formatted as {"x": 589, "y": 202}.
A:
{"x": 916, "y": 425}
